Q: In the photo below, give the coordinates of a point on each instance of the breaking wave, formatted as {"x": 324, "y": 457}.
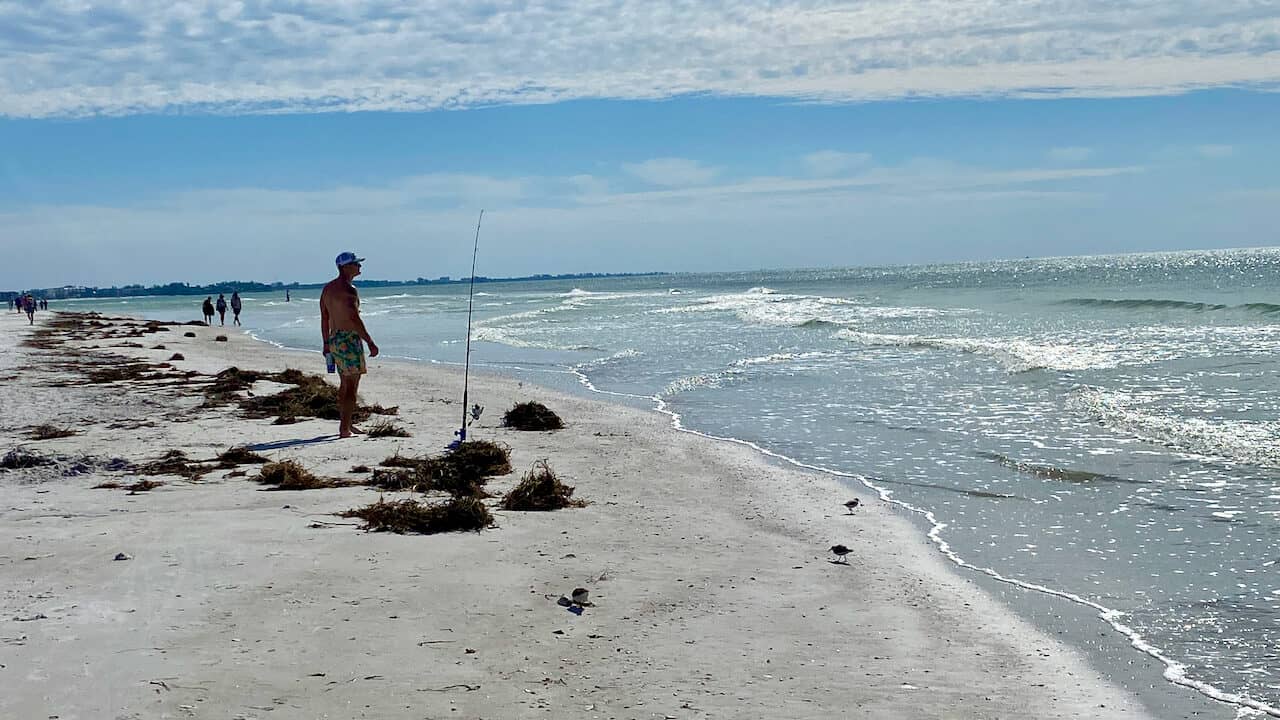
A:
{"x": 1157, "y": 304}
{"x": 1016, "y": 355}
{"x": 764, "y": 306}
{"x": 1254, "y": 442}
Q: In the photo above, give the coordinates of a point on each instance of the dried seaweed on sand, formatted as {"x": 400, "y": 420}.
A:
{"x": 539, "y": 490}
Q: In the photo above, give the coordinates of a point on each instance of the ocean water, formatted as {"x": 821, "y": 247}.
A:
{"x": 1099, "y": 431}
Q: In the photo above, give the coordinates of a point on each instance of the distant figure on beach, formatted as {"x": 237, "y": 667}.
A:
{"x": 29, "y": 305}
{"x": 236, "y": 305}
{"x": 207, "y": 308}
{"x": 222, "y": 309}
{"x": 286, "y": 296}
{"x": 343, "y": 330}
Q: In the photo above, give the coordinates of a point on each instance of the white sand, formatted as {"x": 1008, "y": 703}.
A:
{"x": 714, "y": 595}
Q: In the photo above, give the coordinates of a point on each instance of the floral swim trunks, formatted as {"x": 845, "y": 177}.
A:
{"x": 347, "y": 351}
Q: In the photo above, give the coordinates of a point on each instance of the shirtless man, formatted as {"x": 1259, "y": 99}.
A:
{"x": 342, "y": 328}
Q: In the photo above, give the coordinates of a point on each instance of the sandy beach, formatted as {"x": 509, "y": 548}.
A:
{"x": 713, "y": 592}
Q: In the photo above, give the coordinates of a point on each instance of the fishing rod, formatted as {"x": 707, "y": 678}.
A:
{"x": 466, "y": 364}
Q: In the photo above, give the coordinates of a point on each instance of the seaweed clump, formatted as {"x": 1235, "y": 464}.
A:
{"x": 290, "y": 475}
{"x": 479, "y": 458}
{"x": 531, "y": 416}
{"x": 394, "y": 479}
{"x": 50, "y": 432}
{"x": 386, "y": 428}
{"x": 411, "y": 516}
{"x": 19, "y": 459}
{"x": 540, "y": 490}
{"x": 175, "y": 462}
{"x": 240, "y": 456}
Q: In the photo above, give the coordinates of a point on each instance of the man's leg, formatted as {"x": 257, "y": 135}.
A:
{"x": 348, "y": 385}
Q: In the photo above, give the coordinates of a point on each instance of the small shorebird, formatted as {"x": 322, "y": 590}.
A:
{"x": 852, "y": 504}
{"x": 841, "y": 552}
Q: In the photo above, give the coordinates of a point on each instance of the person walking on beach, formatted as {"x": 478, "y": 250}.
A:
{"x": 343, "y": 330}
{"x": 222, "y": 309}
{"x": 286, "y": 296}
{"x": 207, "y": 309}
{"x": 236, "y": 305}
{"x": 29, "y": 305}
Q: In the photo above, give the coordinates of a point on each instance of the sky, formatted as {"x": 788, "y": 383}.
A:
{"x": 148, "y": 142}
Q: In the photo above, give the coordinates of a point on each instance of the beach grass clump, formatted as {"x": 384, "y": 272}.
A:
{"x": 241, "y": 456}
{"x": 359, "y": 469}
{"x": 50, "y": 432}
{"x": 540, "y": 490}
{"x": 531, "y": 416}
{"x": 411, "y": 516}
{"x": 177, "y": 356}
{"x": 189, "y": 334}
{"x": 290, "y": 475}
{"x": 386, "y": 428}
{"x": 220, "y": 338}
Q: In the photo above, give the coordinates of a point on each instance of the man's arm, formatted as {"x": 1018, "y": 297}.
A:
{"x": 360, "y": 328}
{"x": 324, "y": 320}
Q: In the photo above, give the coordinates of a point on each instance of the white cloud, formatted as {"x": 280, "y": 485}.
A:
{"x": 1070, "y": 155}
{"x": 131, "y": 56}
{"x": 421, "y": 225}
{"x": 1215, "y": 151}
{"x": 671, "y": 172}
{"x": 833, "y": 162}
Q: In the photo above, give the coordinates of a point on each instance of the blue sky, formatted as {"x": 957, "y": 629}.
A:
{"x": 145, "y": 141}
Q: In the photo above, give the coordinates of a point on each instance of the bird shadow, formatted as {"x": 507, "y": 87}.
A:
{"x": 841, "y": 563}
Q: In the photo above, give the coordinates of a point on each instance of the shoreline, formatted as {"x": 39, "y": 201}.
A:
{"x": 750, "y": 598}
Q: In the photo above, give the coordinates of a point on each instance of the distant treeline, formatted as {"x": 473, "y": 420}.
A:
{"x": 257, "y": 287}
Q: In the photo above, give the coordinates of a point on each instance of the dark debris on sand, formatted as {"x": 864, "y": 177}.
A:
{"x": 175, "y": 462}
{"x": 410, "y": 516}
{"x": 50, "y": 432}
{"x": 539, "y": 490}
{"x": 240, "y": 456}
{"x": 291, "y": 475}
{"x": 385, "y": 428}
{"x": 531, "y": 416}
{"x": 20, "y": 459}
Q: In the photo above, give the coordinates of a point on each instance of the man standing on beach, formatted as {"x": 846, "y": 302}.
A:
{"x": 343, "y": 330}
{"x": 236, "y": 306}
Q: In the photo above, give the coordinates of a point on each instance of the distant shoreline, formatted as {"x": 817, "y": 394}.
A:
{"x": 248, "y": 286}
